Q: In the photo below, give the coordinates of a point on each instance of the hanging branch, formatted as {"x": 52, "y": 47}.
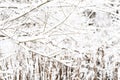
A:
{"x": 27, "y": 12}
{"x": 30, "y": 10}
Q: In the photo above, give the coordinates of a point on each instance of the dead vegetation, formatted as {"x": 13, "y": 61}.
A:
{"x": 59, "y": 40}
{"x": 33, "y": 66}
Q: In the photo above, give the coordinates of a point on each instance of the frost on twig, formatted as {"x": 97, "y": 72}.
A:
{"x": 59, "y": 40}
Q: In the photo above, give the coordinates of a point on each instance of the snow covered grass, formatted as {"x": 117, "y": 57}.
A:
{"x": 59, "y": 40}
{"x": 33, "y": 66}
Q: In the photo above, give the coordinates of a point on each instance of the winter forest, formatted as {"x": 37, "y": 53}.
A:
{"x": 59, "y": 39}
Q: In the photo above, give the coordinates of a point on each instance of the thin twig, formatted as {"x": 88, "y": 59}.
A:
{"x": 28, "y": 49}
{"x": 30, "y": 10}
{"x": 62, "y": 21}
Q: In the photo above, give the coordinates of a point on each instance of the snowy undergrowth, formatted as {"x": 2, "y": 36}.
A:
{"x": 59, "y": 40}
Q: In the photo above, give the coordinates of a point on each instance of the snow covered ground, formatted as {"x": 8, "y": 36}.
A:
{"x": 79, "y": 37}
